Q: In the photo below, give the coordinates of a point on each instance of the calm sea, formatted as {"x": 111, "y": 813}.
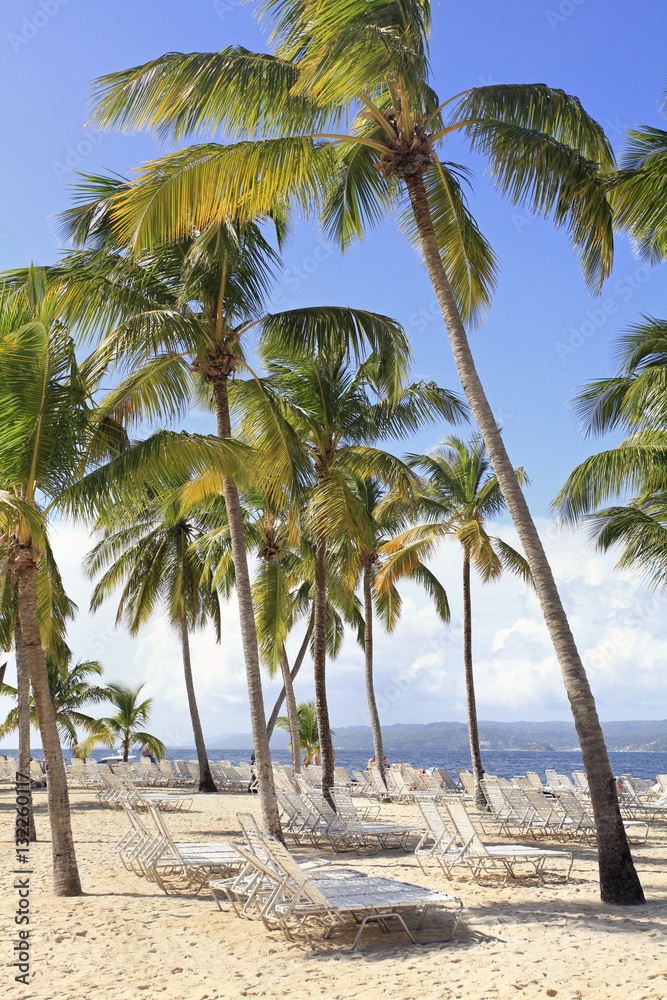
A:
{"x": 503, "y": 763}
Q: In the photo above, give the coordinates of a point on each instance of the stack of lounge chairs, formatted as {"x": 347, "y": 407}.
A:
{"x": 307, "y": 817}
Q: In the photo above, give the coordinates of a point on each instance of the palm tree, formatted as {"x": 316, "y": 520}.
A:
{"x": 51, "y": 436}
{"x": 70, "y": 690}
{"x": 328, "y": 414}
{"x": 459, "y": 497}
{"x": 638, "y": 191}
{"x": 159, "y": 567}
{"x": 43, "y": 437}
{"x": 308, "y": 735}
{"x": 634, "y": 400}
{"x": 383, "y": 516}
{"x": 195, "y": 299}
{"x": 367, "y": 64}
{"x": 123, "y": 726}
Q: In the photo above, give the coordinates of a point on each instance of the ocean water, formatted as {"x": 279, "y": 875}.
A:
{"x": 503, "y": 763}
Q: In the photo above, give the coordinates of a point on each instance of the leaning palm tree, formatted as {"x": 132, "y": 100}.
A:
{"x": 383, "y": 517}
{"x": 156, "y": 562}
{"x": 365, "y": 66}
{"x": 70, "y": 690}
{"x": 52, "y": 435}
{"x": 308, "y": 735}
{"x": 124, "y": 725}
{"x": 459, "y": 497}
{"x": 330, "y": 415}
{"x": 44, "y": 435}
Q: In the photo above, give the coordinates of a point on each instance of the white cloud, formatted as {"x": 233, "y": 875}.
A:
{"x": 620, "y": 629}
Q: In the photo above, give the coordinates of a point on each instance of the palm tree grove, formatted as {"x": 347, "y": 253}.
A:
{"x": 304, "y": 345}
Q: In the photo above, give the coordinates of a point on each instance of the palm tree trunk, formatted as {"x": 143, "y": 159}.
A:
{"x": 619, "y": 882}
{"x": 263, "y": 769}
{"x": 473, "y": 734}
{"x": 66, "y": 880}
{"x": 23, "y": 692}
{"x": 319, "y": 664}
{"x": 206, "y": 782}
{"x": 292, "y": 712}
{"x": 376, "y": 729}
{"x": 300, "y": 656}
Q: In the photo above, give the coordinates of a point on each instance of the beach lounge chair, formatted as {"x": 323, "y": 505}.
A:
{"x": 344, "y": 830}
{"x": 581, "y": 822}
{"x": 299, "y": 820}
{"x": 445, "y": 845}
{"x": 302, "y": 898}
{"x": 364, "y": 786}
{"x": 385, "y": 835}
{"x": 481, "y": 857}
{"x": 194, "y": 863}
{"x": 581, "y": 784}
{"x": 448, "y": 782}
{"x": 535, "y": 779}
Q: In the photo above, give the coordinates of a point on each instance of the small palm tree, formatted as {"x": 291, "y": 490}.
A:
{"x": 70, "y": 690}
{"x": 155, "y": 560}
{"x": 309, "y": 737}
{"x": 124, "y": 725}
{"x": 460, "y": 495}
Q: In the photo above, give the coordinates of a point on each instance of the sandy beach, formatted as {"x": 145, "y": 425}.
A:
{"x": 125, "y": 939}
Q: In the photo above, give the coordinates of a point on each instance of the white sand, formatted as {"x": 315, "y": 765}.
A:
{"x": 125, "y": 939}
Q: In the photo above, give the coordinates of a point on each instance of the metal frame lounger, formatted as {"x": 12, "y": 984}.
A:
{"x": 446, "y": 848}
{"x": 331, "y": 901}
{"x": 482, "y": 857}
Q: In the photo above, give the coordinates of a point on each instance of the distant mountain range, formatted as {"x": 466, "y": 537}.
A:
{"x": 639, "y": 735}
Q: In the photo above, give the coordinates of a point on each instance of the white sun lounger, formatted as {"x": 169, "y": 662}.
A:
{"x": 302, "y": 898}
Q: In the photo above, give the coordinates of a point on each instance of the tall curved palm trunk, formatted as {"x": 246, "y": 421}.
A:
{"x": 267, "y": 790}
{"x": 23, "y": 693}
{"x": 206, "y": 782}
{"x": 473, "y": 733}
{"x": 292, "y": 711}
{"x": 376, "y": 729}
{"x": 619, "y": 882}
{"x": 319, "y": 667}
{"x": 66, "y": 880}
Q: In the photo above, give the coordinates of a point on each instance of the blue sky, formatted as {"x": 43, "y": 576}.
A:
{"x": 607, "y": 52}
